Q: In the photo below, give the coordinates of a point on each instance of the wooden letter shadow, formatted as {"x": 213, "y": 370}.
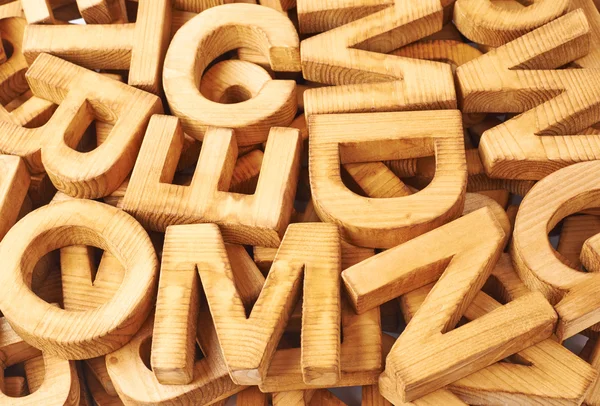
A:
{"x": 77, "y": 334}
{"x": 58, "y": 386}
{"x": 139, "y": 47}
{"x": 337, "y": 139}
{"x": 353, "y": 56}
{"x": 558, "y": 105}
{"x": 258, "y": 219}
{"x": 83, "y": 95}
{"x": 210, "y": 34}
{"x": 137, "y": 384}
{"x": 491, "y": 24}
{"x": 571, "y": 291}
{"x": 463, "y": 253}
{"x": 545, "y": 373}
{"x": 360, "y": 351}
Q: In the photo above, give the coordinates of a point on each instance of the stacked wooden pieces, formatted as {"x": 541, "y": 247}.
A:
{"x": 218, "y": 202}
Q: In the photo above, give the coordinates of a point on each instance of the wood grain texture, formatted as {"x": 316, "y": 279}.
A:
{"x": 522, "y": 77}
{"x": 252, "y": 397}
{"x": 14, "y": 183}
{"x": 175, "y": 321}
{"x": 78, "y": 334}
{"x": 464, "y": 274}
{"x": 316, "y": 16}
{"x": 53, "y": 381}
{"x": 137, "y": 384}
{"x": 547, "y": 373}
{"x": 12, "y": 72}
{"x": 248, "y": 343}
{"x": 103, "y": 11}
{"x": 139, "y": 47}
{"x": 348, "y": 56}
{"x": 592, "y": 59}
{"x": 98, "y": 392}
{"x": 214, "y": 32}
{"x": 258, "y": 219}
{"x": 351, "y": 138}
{"x": 575, "y": 231}
{"x": 485, "y": 22}
{"x": 83, "y": 96}
{"x": 561, "y": 194}
{"x": 360, "y": 350}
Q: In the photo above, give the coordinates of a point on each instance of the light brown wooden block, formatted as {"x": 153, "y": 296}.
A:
{"x": 85, "y": 95}
{"x": 252, "y": 397}
{"x": 518, "y": 77}
{"x": 77, "y": 334}
{"x": 293, "y": 398}
{"x": 348, "y": 56}
{"x": 213, "y": 33}
{"x": 323, "y": 397}
{"x": 367, "y": 291}
{"x": 11, "y": 9}
{"x": 258, "y": 219}
{"x": 561, "y": 194}
{"x": 249, "y": 353}
{"x": 15, "y": 386}
{"x": 53, "y": 381}
{"x": 593, "y": 396}
{"x": 351, "y": 138}
{"x": 592, "y": 59}
{"x": 485, "y": 22}
{"x": 233, "y": 81}
{"x": 12, "y": 72}
{"x": 360, "y": 351}
{"x": 174, "y": 335}
{"x": 98, "y": 392}
{"x": 97, "y": 368}
{"x": 138, "y": 47}
{"x": 14, "y": 182}
{"x": 546, "y": 372}
{"x": 103, "y": 11}
{"x": 317, "y": 16}
{"x": 526, "y": 321}
{"x": 279, "y": 5}
{"x": 372, "y": 397}
{"x": 575, "y": 231}
{"x": 137, "y": 384}
{"x": 38, "y": 11}
{"x": 453, "y": 52}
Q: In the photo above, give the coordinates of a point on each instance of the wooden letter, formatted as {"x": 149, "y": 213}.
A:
{"x": 214, "y": 32}
{"x": 559, "y": 105}
{"x": 249, "y": 343}
{"x": 348, "y": 56}
{"x": 137, "y": 384}
{"x": 58, "y": 384}
{"x": 561, "y": 194}
{"x": 77, "y": 334}
{"x": 139, "y": 47}
{"x": 83, "y": 95}
{"x": 411, "y": 372}
{"x": 487, "y": 23}
{"x": 258, "y": 219}
{"x": 337, "y": 139}
{"x": 545, "y": 373}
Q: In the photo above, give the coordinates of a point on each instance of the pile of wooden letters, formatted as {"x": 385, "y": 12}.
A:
{"x": 223, "y": 202}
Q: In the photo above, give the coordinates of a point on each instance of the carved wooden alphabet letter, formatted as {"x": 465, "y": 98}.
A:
{"x": 258, "y": 219}
{"x": 558, "y": 104}
{"x": 337, "y": 139}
